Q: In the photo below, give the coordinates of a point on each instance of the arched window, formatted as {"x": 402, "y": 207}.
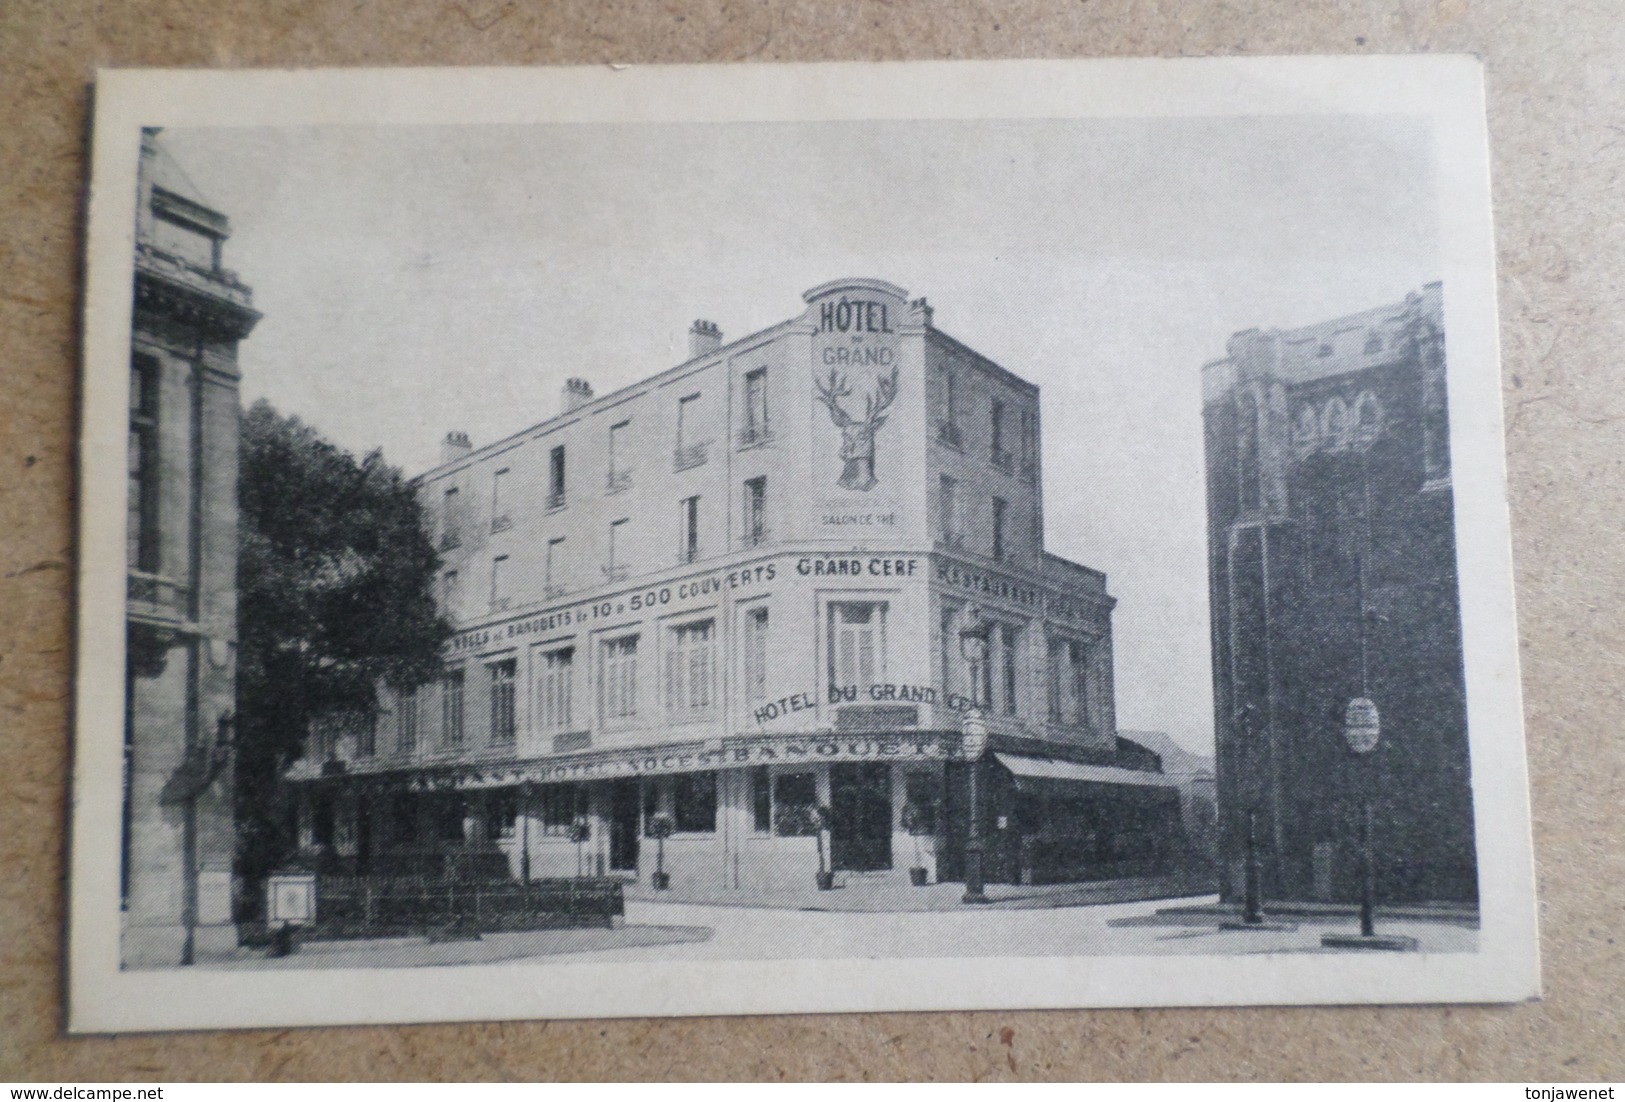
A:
{"x": 1367, "y": 420}
{"x": 1306, "y": 430}
{"x": 1334, "y": 424}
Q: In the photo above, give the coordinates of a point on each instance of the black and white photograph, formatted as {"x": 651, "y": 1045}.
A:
{"x": 756, "y": 539}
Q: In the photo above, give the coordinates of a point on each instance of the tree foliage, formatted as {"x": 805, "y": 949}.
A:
{"x": 335, "y": 597}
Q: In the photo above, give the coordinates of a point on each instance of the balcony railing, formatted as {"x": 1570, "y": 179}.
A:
{"x": 616, "y": 572}
{"x": 450, "y": 539}
{"x": 949, "y": 433}
{"x": 751, "y": 435}
{"x": 556, "y": 500}
{"x": 501, "y": 523}
{"x": 618, "y": 481}
{"x": 691, "y": 456}
{"x": 552, "y": 590}
{"x": 756, "y": 537}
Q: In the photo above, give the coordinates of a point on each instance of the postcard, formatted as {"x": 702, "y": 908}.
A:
{"x": 776, "y": 539}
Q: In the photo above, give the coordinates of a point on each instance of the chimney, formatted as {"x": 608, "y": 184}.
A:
{"x": 703, "y": 338}
{"x": 576, "y": 394}
{"x": 454, "y": 447}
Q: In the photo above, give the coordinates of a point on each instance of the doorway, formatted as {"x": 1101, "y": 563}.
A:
{"x": 860, "y": 810}
{"x": 625, "y": 813}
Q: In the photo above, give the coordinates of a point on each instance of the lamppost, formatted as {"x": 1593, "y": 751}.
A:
{"x": 1362, "y": 730}
{"x": 1252, "y": 906}
{"x": 973, "y": 727}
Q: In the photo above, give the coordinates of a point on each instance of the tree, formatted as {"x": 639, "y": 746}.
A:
{"x": 335, "y": 597}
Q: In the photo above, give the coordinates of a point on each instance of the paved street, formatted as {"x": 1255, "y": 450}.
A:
{"x": 666, "y": 931}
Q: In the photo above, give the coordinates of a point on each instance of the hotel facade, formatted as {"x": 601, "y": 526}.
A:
{"x": 770, "y": 580}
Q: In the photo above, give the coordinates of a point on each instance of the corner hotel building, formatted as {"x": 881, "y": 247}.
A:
{"x": 744, "y": 588}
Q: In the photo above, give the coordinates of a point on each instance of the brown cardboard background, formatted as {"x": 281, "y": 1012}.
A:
{"x": 1556, "y": 93}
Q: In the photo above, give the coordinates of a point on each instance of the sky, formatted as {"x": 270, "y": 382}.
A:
{"x": 416, "y": 280}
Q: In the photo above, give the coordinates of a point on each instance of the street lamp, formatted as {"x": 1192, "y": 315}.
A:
{"x": 973, "y": 727}
{"x": 1362, "y": 730}
{"x": 1252, "y": 907}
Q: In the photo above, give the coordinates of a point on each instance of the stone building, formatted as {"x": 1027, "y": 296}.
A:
{"x": 190, "y": 313}
{"x": 1332, "y": 567}
{"x": 770, "y": 579}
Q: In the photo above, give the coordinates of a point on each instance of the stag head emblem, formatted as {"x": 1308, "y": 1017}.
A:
{"x": 857, "y": 437}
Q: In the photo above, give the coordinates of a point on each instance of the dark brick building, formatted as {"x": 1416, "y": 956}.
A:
{"x": 1332, "y": 573}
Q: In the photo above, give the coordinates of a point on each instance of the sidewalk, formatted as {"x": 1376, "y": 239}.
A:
{"x": 856, "y": 893}
{"x": 420, "y": 952}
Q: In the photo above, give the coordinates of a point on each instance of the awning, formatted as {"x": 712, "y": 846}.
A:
{"x": 1031, "y": 771}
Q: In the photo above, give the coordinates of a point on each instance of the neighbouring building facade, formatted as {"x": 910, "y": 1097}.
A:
{"x": 1332, "y": 569}
{"x": 771, "y": 579}
{"x": 190, "y": 313}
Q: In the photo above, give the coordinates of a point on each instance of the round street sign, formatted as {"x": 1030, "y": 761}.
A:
{"x": 1361, "y": 725}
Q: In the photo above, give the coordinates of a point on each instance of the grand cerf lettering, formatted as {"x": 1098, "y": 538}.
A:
{"x": 857, "y": 437}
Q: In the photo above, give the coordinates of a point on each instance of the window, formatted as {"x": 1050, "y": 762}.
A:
{"x": 451, "y": 520}
{"x": 1068, "y": 682}
{"x": 795, "y": 798}
{"x": 1000, "y": 509}
{"x": 555, "y": 478}
{"x": 502, "y": 812}
{"x": 561, "y": 803}
{"x": 142, "y": 533}
{"x": 449, "y": 593}
{"x": 499, "y": 582}
{"x": 694, "y": 802}
{"x": 1000, "y": 455}
{"x": 948, "y": 427}
{"x": 1008, "y": 635}
{"x": 948, "y": 509}
{"x": 1029, "y": 444}
{"x": 618, "y": 678}
{"x": 500, "y": 520}
{"x": 553, "y": 688}
{"x": 755, "y": 657}
{"x": 761, "y": 800}
{"x": 688, "y": 544}
{"x": 615, "y": 569}
{"x": 922, "y": 791}
{"x": 451, "y": 709}
{"x": 366, "y": 735}
{"x": 857, "y": 643}
{"x": 756, "y": 511}
{"x": 553, "y": 567}
{"x": 503, "y": 725}
{"x": 619, "y": 476}
{"x": 691, "y": 668}
{"x": 755, "y": 430}
{"x": 406, "y": 721}
{"x": 690, "y": 452}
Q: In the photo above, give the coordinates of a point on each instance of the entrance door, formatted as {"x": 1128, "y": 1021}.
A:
{"x": 860, "y": 807}
{"x": 624, "y": 815}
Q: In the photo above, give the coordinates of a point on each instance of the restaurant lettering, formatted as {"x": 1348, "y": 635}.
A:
{"x": 654, "y": 597}
{"x": 924, "y": 746}
{"x": 877, "y": 567}
{"x": 992, "y": 585}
